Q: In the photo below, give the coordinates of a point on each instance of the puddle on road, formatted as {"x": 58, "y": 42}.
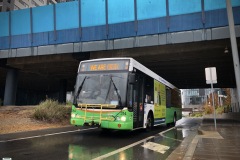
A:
{"x": 78, "y": 152}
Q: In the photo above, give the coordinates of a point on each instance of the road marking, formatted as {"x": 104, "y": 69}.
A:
{"x": 156, "y": 147}
{"x": 127, "y": 147}
{"x": 162, "y": 134}
{"x": 45, "y": 135}
{"x": 122, "y": 149}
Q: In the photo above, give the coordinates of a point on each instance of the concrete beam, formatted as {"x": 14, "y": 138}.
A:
{"x": 131, "y": 42}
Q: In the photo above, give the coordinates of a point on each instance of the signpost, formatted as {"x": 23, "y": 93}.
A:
{"x": 211, "y": 78}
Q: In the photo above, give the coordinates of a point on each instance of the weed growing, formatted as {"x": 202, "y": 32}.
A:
{"x": 52, "y": 111}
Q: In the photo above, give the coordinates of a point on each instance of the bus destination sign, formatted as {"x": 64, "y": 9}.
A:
{"x": 105, "y": 65}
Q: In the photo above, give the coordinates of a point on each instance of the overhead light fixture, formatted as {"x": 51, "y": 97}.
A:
{"x": 226, "y": 50}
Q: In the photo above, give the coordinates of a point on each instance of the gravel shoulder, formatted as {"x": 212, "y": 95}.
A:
{"x": 18, "y": 119}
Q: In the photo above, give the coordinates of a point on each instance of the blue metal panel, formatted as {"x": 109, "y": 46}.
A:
{"x": 186, "y": 22}
{"x": 147, "y": 9}
{"x": 21, "y": 41}
{"x": 93, "y": 13}
{"x": 216, "y": 18}
{"x": 121, "y": 30}
{"x": 177, "y": 7}
{"x": 40, "y": 39}
{"x": 235, "y": 3}
{"x": 51, "y": 38}
{"x": 236, "y": 15}
{"x": 43, "y": 19}
{"x": 67, "y": 16}
{"x": 20, "y": 22}
{"x": 120, "y": 11}
{"x": 65, "y": 36}
{"x": 4, "y": 24}
{"x": 94, "y": 33}
{"x": 4, "y": 42}
{"x": 218, "y": 4}
{"x": 152, "y": 26}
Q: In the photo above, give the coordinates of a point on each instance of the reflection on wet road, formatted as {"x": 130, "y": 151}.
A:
{"x": 97, "y": 144}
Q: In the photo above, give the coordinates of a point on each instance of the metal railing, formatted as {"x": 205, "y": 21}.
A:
{"x": 235, "y": 107}
{"x": 96, "y": 119}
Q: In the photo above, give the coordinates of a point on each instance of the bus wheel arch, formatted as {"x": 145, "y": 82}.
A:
{"x": 150, "y": 120}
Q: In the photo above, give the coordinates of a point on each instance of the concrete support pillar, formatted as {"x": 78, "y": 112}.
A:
{"x": 62, "y": 91}
{"x": 234, "y": 46}
{"x": 11, "y": 87}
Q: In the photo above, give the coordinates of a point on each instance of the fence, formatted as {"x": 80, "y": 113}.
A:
{"x": 235, "y": 107}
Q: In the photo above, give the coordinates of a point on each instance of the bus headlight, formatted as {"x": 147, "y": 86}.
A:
{"x": 123, "y": 118}
{"x": 73, "y": 115}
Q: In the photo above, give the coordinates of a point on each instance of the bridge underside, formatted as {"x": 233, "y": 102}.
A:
{"x": 184, "y": 64}
{"x": 181, "y": 64}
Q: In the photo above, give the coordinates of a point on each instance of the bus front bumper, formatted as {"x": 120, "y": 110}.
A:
{"x": 118, "y": 125}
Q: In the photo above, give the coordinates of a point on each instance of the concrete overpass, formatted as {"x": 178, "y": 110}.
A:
{"x": 177, "y": 40}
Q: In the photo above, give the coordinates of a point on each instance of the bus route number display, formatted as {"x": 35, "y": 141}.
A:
{"x": 104, "y": 66}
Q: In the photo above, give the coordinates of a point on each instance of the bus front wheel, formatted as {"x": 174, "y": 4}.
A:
{"x": 149, "y": 124}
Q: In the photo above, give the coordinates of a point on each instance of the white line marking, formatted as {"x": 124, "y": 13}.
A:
{"x": 162, "y": 134}
{"x": 122, "y": 149}
{"x": 166, "y": 130}
{"x": 126, "y": 147}
{"x": 45, "y": 135}
{"x": 156, "y": 147}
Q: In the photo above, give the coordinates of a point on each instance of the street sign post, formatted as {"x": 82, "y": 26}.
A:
{"x": 211, "y": 78}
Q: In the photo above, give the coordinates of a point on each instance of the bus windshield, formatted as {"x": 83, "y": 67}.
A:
{"x": 101, "y": 88}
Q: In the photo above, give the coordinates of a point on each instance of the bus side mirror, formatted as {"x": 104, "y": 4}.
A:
{"x": 132, "y": 78}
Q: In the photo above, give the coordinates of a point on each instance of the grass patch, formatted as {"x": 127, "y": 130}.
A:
{"x": 220, "y": 110}
{"x": 52, "y": 111}
{"x": 196, "y": 114}
{"x": 208, "y": 109}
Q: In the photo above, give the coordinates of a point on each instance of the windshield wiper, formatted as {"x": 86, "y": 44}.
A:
{"x": 119, "y": 97}
{"x": 108, "y": 92}
{"x": 78, "y": 91}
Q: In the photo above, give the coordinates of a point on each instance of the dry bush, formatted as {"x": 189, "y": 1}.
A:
{"x": 208, "y": 109}
{"x": 220, "y": 110}
{"x": 51, "y": 111}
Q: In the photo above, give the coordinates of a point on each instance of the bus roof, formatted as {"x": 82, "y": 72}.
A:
{"x": 135, "y": 64}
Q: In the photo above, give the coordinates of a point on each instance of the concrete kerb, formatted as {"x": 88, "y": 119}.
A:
{"x": 206, "y": 130}
{"x": 186, "y": 149}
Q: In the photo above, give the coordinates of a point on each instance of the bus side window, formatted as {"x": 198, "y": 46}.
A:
{"x": 130, "y": 97}
{"x": 149, "y": 85}
{"x": 168, "y": 96}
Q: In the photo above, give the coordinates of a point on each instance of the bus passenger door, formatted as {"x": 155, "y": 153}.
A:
{"x": 138, "y": 108}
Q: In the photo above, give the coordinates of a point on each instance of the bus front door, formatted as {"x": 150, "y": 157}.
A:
{"x": 138, "y": 105}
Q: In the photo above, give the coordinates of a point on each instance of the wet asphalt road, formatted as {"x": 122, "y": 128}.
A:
{"x": 93, "y": 143}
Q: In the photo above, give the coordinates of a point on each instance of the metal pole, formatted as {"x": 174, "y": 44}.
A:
{"x": 234, "y": 46}
{"x": 215, "y": 124}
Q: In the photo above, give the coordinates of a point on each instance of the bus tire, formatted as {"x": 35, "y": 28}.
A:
{"x": 149, "y": 124}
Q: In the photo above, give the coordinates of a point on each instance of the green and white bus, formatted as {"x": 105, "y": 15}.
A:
{"x": 122, "y": 94}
